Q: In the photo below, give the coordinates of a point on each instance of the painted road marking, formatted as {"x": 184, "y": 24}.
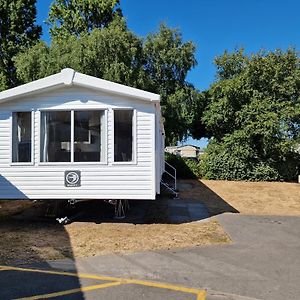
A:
{"x": 73, "y": 291}
{"x": 201, "y": 294}
{"x": 82, "y": 275}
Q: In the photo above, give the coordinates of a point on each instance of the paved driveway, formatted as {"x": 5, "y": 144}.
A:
{"x": 263, "y": 262}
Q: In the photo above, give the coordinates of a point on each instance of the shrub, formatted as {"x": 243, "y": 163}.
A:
{"x": 264, "y": 172}
{"x": 186, "y": 168}
{"x": 227, "y": 160}
{"x": 289, "y": 167}
{"x": 193, "y": 165}
{"x": 224, "y": 161}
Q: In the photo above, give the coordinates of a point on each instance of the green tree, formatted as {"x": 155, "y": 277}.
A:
{"x": 253, "y": 114}
{"x": 112, "y": 53}
{"x": 197, "y": 128}
{"x": 17, "y": 33}
{"x": 81, "y": 16}
{"x": 167, "y": 62}
{"x": 159, "y": 64}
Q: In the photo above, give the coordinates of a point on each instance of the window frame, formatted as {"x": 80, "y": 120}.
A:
{"x": 72, "y": 162}
{"x": 134, "y": 137}
{"x": 31, "y": 163}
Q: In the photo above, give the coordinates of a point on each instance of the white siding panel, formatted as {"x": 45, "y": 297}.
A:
{"x": 98, "y": 181}
{"x": 5, "y": 134}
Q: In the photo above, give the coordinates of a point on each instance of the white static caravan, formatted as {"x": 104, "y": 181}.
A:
{"x": 73, "y": 136}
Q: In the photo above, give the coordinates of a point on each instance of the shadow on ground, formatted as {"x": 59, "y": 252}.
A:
{"x": 164, "y": 210}
{"x": 23, "y": 244}
{"x": 195, "y": 190}
{"x": 196, "y": 202}
{"x": 25, "y": 238}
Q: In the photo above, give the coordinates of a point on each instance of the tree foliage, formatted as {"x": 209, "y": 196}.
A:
{"x": 159, "y": 64}
{"x": 112, "y": 53}
{"x": 186, "y": 168}
{"x": 81, "y": 16}
{"x": 253, "y": 114}
{"x": 167, "y": 62}
{"x": 17, "y": 32}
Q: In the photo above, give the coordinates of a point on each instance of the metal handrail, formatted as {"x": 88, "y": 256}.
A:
{"x": 173, "y": 176}
{"x": 170, "y": 166}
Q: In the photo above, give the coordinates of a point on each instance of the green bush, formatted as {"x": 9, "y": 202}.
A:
{"x": 289, "y": 167}
{"x": 186, "y": 168}
{"x": 264, "y": 172}
{"x": 194, "y": 166}
{"x": 223, "y": 166}
{"x": 228, "y": 160}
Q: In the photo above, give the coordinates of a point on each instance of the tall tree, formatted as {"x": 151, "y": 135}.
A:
{"x": 253, "y": 114}
{"x": 160, "y": 65}
{"x": 112, "y": 53}
{"x": 167, "y": 62}
{"x": 81, "y": 16}
{"x": 17, "y": 32}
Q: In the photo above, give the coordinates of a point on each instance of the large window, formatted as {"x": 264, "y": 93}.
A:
{"x": 72, "y": 136}
{"x": 22, "y": 137}
{"x": 123, "y": 135}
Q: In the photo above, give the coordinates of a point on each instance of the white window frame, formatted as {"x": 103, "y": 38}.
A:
{"x": 12, "y": 136}
{"x": 72, "y": 162}
{"x": 134, "y": 137}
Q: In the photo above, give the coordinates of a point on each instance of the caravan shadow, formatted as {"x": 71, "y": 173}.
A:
{"x": 196, "y": 202}
{"x": 27, "y": 243}
{"x": 196, "y": 190}
{"x": 9, "y": 191}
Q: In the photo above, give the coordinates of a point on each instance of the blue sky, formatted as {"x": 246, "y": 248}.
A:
{"x": 213, "y": 25}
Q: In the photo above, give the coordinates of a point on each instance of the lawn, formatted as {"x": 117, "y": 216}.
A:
{"x": 28, "y": 241}
{"x": 250, "y": 198}
{"x": 31, "y": 240}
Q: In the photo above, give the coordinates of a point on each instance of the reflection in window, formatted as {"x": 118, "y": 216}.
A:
{"x": 89, "y": 136}
{"x": 123, "y": 135}
{"x": 56, "y": 136}
{"x": 22, "y": 137}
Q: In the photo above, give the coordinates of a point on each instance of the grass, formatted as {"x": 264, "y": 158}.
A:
{"x": 33, "y": 241}
{"x": 25, "y": 241}
{"x": 250, "y": 198}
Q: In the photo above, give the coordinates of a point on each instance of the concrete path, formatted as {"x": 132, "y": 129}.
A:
{"x": 263, "y": 262}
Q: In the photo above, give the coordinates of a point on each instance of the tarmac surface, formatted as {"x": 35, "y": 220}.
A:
{"x": 263, "y": 262}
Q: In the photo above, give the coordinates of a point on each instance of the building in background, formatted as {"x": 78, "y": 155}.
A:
{"x": 187, "y": 151}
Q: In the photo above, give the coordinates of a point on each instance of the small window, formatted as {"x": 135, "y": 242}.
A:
{"x": 56, "y": 136}
{"x": 22, "y": 137}
{"x": 123, "y": 135}
{"x": 89, "y": 136}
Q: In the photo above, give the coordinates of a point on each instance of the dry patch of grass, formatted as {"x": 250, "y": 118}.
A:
{"x": 29, "y": 242}
{"x": 256, "y": 198}
{"x": 129, "y": 237}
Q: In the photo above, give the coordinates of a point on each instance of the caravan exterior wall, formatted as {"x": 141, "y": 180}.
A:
{"x": 135, "y": 177}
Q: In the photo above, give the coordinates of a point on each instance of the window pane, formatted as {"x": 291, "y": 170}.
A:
{"x": 56, "y": 136}
{"x": 89, "y": 138}
{"x": 22, "y": 136}
{"x": 123, "y": 135}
